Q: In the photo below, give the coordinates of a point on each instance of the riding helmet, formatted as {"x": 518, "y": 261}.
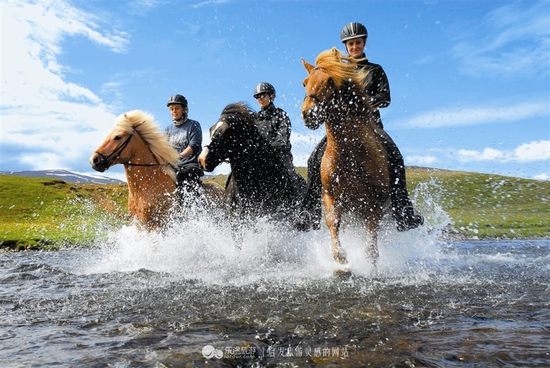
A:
{"x": 177, "y": 99}
{"x": 353, "y": 30}
{"x": 264, "y": 87}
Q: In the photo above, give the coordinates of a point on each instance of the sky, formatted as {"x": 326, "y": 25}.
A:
{"x": 469, "y": 80}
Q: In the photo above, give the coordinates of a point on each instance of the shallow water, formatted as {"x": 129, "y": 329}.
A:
{"x": 195, "y": 296}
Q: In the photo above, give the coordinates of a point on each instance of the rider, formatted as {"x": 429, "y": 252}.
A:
{"x": 185, "y": 135}
{"x": 354, "y": 37}
{"x": 273, "y": 123}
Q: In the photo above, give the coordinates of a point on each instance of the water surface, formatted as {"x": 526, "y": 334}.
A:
{"x": 195, "y": 296}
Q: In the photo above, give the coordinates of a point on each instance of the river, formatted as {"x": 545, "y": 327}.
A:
{"x": 194, "y": 296}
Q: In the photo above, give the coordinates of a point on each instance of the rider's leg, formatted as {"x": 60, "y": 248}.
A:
{"x": 402, "y": 207}
{"x": 311, "y": 212}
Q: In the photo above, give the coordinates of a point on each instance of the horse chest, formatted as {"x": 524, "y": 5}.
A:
{"x": 348, "y": 177}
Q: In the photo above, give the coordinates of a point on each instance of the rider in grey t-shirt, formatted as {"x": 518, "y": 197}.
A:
{"x": 185, "y": 135}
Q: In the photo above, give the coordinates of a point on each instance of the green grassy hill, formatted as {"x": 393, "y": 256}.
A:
{"x": 48, "y": 213}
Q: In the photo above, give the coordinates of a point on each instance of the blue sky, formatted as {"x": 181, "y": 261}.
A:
{"x": 470, "y": 80}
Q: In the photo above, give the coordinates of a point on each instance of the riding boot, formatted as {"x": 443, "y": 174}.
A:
{"x": 402, "y": 207}
{"x": 311, "y": 211}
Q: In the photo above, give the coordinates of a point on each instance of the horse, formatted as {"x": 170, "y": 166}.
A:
{"x": 149, "y": 164}
{"x": 354, "y": 168}
{"x": 260, "y": 184}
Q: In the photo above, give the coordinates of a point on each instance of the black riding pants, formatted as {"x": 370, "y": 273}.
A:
{"x": 188, "y": 178}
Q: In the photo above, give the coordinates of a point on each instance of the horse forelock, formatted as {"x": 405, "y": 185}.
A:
{"x": 340, "y": 68}
{"x": 157, "y": 140}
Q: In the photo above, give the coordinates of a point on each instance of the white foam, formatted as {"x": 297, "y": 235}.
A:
{"x": 206, "y": 248}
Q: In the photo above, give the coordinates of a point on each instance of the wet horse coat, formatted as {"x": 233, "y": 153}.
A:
{"x": 354, "y": 169}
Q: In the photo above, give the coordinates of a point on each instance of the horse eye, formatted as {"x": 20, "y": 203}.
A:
{"x": 118, "y": 138}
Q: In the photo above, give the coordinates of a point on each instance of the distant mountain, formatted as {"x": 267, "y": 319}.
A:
{"x": 66, "y": 175}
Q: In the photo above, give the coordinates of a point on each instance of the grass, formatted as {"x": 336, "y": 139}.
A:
{"x": 490, "y": 206}
{"x": 49, "y": 213}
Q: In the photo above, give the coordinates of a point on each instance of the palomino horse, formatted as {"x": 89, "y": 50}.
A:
{"x": 260, "y": 184}
{"x": 149, "y": 161}
{"x": 354, "y": 168}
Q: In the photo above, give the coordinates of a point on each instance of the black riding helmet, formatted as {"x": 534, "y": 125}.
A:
{"x": 177, "y": 99}
{"x": 264, "y": 87}
{"x": 353, "y": 30}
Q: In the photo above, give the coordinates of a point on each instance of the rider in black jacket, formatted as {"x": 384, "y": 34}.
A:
{"x": 354, "y": 36}
{"x": 273, "y": 123}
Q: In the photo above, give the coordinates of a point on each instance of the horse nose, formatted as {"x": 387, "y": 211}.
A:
{"x": 96, "y": 161}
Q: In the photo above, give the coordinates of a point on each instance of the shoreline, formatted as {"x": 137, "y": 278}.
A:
{"x": 15, "y": 246}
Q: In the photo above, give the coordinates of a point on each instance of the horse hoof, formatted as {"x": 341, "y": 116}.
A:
{"x": 303, "y": 221}
{"x": 343, "y": 272}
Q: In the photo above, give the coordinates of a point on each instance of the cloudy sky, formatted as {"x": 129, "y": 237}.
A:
{"x": 469, "y": 80}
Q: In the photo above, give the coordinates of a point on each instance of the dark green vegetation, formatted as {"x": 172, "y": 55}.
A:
{"x": 49, "y": 213}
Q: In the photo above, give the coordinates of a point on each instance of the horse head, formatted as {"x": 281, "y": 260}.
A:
{"x": 135, "y": 141}
{"x": 319, "y": 90}
{"x": 324, "y": 84}
{"x": 113, "y": 150}
{"x": 232, "y": 128}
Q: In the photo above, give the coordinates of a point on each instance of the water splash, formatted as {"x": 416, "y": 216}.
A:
{"x": 199, "y": 246}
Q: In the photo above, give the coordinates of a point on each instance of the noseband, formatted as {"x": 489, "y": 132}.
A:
{"x": 315, "y": 98}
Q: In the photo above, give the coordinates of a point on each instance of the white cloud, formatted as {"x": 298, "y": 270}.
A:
{"x": 528, "y": 152}
{"x": 533, "y": 151}
{"x": 209, "y": 2}
{"x": 421, "y": 160}
{"x": 476, "y": 115}
{"x": 41, "y": 109}
{"x": 516, "y": 43}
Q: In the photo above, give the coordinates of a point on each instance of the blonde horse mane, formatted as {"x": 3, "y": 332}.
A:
{"x": 341, "y": 68}
{"x": 156, "y": 140}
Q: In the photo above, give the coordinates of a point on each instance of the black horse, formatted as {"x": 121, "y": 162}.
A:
{"x": 260, "y": 184}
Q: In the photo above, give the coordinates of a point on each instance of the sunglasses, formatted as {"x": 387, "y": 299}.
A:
{"x": 261, "y": 95}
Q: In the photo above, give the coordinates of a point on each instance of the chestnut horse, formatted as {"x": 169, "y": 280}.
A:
{"x": 149, "y": 161}
{"x": 354, "y": 169}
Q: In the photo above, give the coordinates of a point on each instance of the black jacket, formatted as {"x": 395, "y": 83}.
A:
{"x": 377, "y": 86}
{"x": 274, "y": 124}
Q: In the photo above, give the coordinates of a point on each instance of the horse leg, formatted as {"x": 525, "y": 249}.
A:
{"x": 333, "y": 220}
{"x": 373, "y": 227}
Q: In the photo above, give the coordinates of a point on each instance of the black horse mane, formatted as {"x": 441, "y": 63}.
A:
{"x": 237, "y": 113}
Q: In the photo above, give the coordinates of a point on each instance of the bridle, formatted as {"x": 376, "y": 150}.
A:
{"x": 117, "y": 151}
{"x": 316, "y": 98}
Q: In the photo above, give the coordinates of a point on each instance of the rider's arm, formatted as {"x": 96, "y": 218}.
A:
{"x": 379, "y": 88}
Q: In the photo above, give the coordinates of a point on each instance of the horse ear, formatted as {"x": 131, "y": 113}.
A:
{"x": 125, "y": 116}
{"x": 336, "y": 54}
{"x": 308, "y": 66}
